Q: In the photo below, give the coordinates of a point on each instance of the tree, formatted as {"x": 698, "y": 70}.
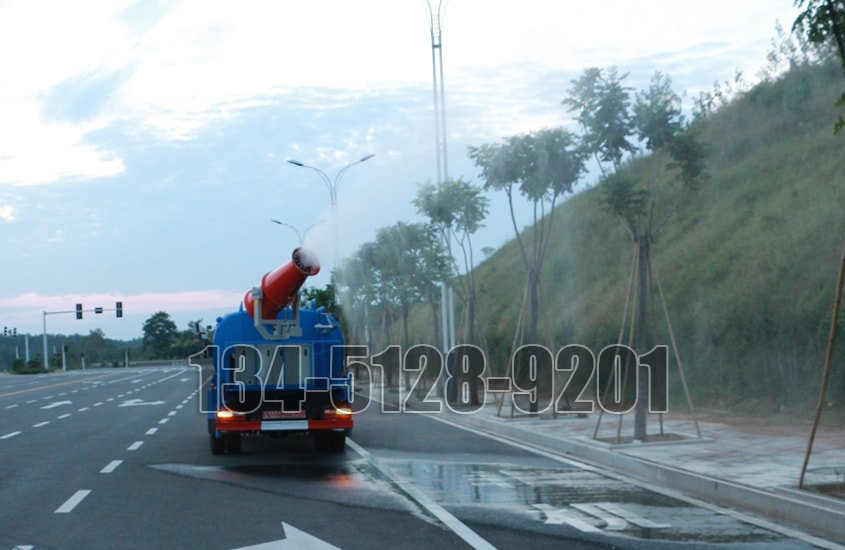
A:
{"x": 823, "y": 22}
{"x": 159, "y": 335}
{"x": 456, "y": 208}
{"x": 544, "y": 166}
{"x": 611, "y": 122}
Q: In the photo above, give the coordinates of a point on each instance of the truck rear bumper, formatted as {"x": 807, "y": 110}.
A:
{"x": 342, "y": 423}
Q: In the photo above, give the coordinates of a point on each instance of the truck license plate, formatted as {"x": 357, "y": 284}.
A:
{"x": 282, "y": 415}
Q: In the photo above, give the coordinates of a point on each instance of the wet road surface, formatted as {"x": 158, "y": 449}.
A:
{"x": 120, "y": 459}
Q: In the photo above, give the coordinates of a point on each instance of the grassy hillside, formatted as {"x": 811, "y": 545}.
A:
{"x": 748, "y": 263}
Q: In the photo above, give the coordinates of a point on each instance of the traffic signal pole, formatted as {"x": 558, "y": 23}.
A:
{"x": 118, "y": 309}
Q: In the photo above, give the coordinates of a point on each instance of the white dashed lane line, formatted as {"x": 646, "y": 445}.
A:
{"x": 72, "y": 502}
{"x": 64, "y": 415}
{"x": 41, "y": 424}
{"x": 30, "y": 401}
{"x": 111, "y": 466}
{"x": 135, "y": 446}
{"x": 98, "y": 404}
{"x": 151, "y": 431}
{"x": 8, "y": 435}
{"x": 171, "y": 413}
{"x": 83, "y": 409}
{"x": 11, "y": 406}
{"x": 163, "y": 421}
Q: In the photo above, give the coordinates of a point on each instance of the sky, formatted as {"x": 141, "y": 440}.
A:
{"x": 143, "y": 145}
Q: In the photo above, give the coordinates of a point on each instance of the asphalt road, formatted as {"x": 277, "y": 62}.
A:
{"x": 119, "y": 458}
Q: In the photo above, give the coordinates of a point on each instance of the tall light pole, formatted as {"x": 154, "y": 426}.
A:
{"x": 332, "y": 187}
{"x": 435, "y": 18}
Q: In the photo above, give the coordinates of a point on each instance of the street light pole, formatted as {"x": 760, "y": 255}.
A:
{"x": 436, "y": 22}
{"x": 332, "y": 187}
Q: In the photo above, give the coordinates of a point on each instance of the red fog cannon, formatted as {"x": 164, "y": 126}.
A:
{"x": 279, "y": 287}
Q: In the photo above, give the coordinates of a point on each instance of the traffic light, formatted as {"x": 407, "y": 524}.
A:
{"x": 15, "y": 332}
{"x": 118, "y": 308}
{"x": 98, "y": 310}
{"x": 5, "y": 331}
{"x": 79, "y": 311}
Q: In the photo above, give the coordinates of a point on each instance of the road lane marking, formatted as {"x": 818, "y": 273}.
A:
{"x": 83, "y": 409}
{"x": 41, "y": 424}
{"x": 457, "y": 526}
{"x": 171, "y": 413}
{"x": 8, "y": 435}
{"x": 42, "y": 388}
{"x": 110, "y": 399}
{"x": 55, "y": 404}
{"x": 151, "y": 431}
{"x": 163, "y": 421}
{"x": 31, "y": 401}
{"x": 135, "y": 446}
{"x": 72, "y": 502}
{"x": 12, "y": 406}
{"x": 64, "y": 415}
{"x": 98, "y": 404}
{"x": 111, "y": 466}
{"x": 179, "y": 406}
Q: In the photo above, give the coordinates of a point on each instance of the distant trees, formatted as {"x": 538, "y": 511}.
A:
{"x": 159, "y": 335}
{"x": 388, "y": 276}
{"x": 456, "y": 209}
{"x": 612, "y": 123}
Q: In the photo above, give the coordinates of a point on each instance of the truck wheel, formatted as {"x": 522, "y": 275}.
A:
{"x": 233, "y": 443}
{"x": 217, "y": 445}
{"x": 337, "y": 442}
{"x": 321, "y": 442}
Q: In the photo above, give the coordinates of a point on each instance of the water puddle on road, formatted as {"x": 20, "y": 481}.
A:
{"x": 542, "y": 499}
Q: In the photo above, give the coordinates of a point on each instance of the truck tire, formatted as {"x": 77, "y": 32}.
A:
{"x": 331, "y": 442}
{"x": 233, "y": 443}
{"x": 337, "y": 442}
{"x": 218, "y": 445}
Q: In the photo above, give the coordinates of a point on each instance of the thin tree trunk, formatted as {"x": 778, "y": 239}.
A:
{"x": 643, "y": 337}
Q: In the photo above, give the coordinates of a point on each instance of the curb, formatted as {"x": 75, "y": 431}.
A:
{"x": 813, "y": 513}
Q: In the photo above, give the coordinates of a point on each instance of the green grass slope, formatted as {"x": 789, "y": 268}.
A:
{"x": 748, "y": 263}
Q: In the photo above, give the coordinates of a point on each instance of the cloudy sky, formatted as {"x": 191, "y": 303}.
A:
{"x": 143, "y": 144}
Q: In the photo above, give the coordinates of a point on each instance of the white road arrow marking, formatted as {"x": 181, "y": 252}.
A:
{"x": 55, "y": 404}
{"x": 294, "y": 539}
{"x": 139, "y": 402}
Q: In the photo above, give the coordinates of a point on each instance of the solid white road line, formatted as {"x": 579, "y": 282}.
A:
{"x": 111, "y": 466}
{"x": 8, "y": 435}
{"x": 135, "y": 446}
{"x": 71, "y": 503}
{"x": 459, "y": 528}
{"x": 151, "y": 431}
{"x": 41, "y": 424}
